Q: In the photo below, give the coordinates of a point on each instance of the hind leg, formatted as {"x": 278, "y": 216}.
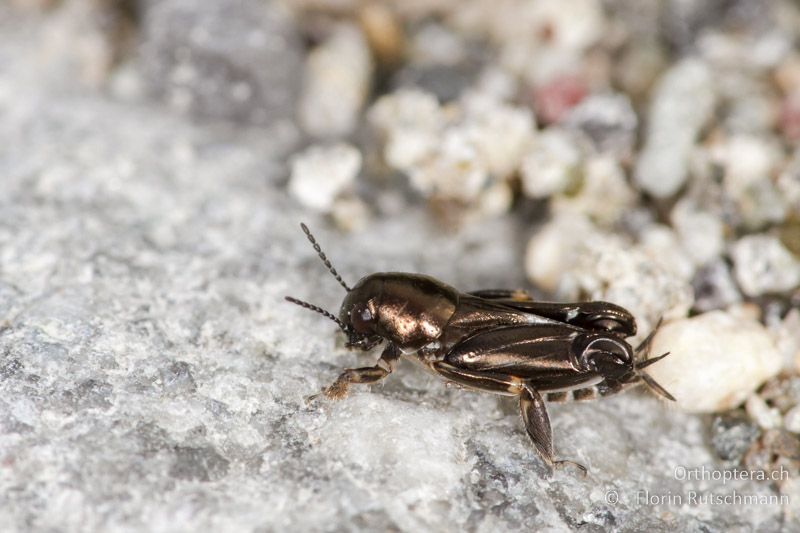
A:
{"x": 537, "y": 424}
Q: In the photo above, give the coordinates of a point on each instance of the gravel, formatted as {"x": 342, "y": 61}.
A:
{"x": 152, "y": 377}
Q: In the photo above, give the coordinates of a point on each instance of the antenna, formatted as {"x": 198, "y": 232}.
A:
{"x": 319, "y": 310}
{"x": 323, "y": 257}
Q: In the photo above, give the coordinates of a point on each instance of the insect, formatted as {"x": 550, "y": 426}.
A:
{"x": 496, "y": 341}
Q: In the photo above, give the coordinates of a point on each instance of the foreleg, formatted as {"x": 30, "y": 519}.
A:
{"x": 365, "y": 375}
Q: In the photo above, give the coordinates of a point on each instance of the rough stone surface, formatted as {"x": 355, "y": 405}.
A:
{"x": 233, "y": 61}
{"x": 152, "y": 378}
{"x": 732, "y": 435}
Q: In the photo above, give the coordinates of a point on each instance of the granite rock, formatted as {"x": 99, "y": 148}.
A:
{"x": 152, "y": 378}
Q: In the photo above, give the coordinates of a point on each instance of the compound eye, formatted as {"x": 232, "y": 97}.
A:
{"x": 361, "y": 318}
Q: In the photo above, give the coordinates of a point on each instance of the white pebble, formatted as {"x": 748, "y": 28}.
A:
{"x": 500, "y": 132}
{"x": 787, "y": 336}
{"x": 455, "y": 171}
{"x": 602, "y": 177}
{"x": 762, "y": 264}
{"x": 551, "y": 165}
{"x": 406, "y": 108}
{"x": 716, "y": 360}
{"x": 745, "y": 311}
{"x": 410, "y": 122}
{"x": 747, "y": 159}
{"x": 789, "y": 182}
{"x": 613, "y": 270}
{"x": 661, "y": 244}
{"x": 461, "y": 152}
{"x": 762, "y": 414}
{"x": 609, "y": 120}
{"x": 518, "y": 27}
{"x": 338, "y": 74}
{"x": 749, "y": 162}
{"x": 434, "y": 44}
{"x": 552, "y": 250}
{"x": 350, "y": 213}
{"x": 495, "y": 200}
{"x": 715, "y": 287}
{"x": 791, "y": 420}
{"x": 575, "y": 24}
{"x": 321, "y": 173}
{"x": 571, "y": 258}
{"x": 701, "y": 233}
{"x": 683, "y": 101}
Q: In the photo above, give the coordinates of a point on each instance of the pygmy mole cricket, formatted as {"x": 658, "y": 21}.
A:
{"x": 496, "y": 341}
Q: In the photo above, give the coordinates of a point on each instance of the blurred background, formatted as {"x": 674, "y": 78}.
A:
{"x": 156, "y": 158}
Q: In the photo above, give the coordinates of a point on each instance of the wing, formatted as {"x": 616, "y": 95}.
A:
{"x": 539, "y": 354}
{"x": 473, "y": 315}
{"x": 597, "y": 315}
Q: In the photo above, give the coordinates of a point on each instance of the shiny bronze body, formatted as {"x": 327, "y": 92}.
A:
{"x": 408, "y": 310}
{"x": 495, "y": 341}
